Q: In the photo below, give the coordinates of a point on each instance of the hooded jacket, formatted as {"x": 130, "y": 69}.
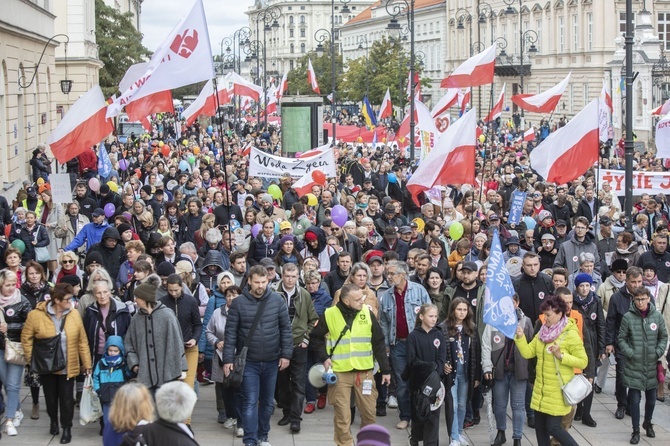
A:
{"x": 323, "y": 253}
{"x": 110, "y": 374}
{"x": 213, "y": 258}
{"x": 116, "y": 323}
{"x": 112, "y": 258}
{"x": 260, "y": 249}
{"x": 186, "y": 309}
{"x": 494, "y": 343}
{"x": 91, "y": 233}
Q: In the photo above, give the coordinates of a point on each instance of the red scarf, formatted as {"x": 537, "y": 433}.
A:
{"x": 62, "y": 273}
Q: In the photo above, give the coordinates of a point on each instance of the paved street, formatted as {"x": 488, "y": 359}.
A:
{"x": 317, "y": 427}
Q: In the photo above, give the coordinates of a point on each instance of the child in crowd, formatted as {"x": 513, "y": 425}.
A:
{"x": 109, "y": 375}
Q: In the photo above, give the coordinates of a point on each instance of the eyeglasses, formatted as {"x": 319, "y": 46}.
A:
{"x": 336, "y": 229}
{"x": 68, "y": 261}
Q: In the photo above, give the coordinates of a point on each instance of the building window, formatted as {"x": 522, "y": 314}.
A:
{"x": 586, "y": 95}
{"x": 302, "y": 48}
{"x": 538, "y": 28}
{"x": 302, "y": 19}
{"x": 302, "y": 32}
{"x": 290, "y": 20}
{"x": 302, "y": 8}
{"x": 290, "y": 64}
{"x": 589, "y": 31}
{"x": 291, "y": 48}
{"x": 290, "y": 8}
{"x": 575, "y": 33}
{"x": 561, "y": 35}
{"x": 664, "y": 29}
{"x": 622, "y": 22}
{"x": 290, "y": 32}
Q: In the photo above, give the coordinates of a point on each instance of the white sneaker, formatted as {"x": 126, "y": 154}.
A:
{"x": 239, "y": 432}
{"x": 9, "y": 428}
{"x": 229, "y": 423}
{"x": 17, "y": 418}
{"x": 265, "y": 443}
{"x": 454, "y": 443}
{"x": 393, "y": 402}
{"x": 463, "y": 441}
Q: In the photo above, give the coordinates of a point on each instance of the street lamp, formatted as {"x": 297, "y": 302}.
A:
{"x": 461, "y": 16}
{"x": 65, "y": 84}
{"x": 362, "y": 40}
{"x": 321, "y": 35}
{"x": 395, "y": 8}
{"x": 253, "y": 48}
{"x": 269, "y": 16}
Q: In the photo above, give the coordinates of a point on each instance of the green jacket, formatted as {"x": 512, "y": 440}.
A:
{"x": 547, "y": 395}
{"x": 642, "y": 341}
{"x": 305, "y": 315}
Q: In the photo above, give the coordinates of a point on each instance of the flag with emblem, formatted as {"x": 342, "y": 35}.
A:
{"x": 499, "y": 311}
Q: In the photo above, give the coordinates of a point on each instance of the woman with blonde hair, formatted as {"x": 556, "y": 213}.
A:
{"x": 51, "y": 215}
{"x": 207, "y": 224}
{"x": 67, "y": 266}
{"x": 146, "y": 225}
{"x": 98, "y": 275}
{"x": 132, "y": 406}
{"x": 359, "y": 276}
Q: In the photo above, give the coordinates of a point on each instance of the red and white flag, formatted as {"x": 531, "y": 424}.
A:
{"x": 271, "y": 106}
{"x": 604, "y": 112}
{"x": 528, "y": 135}
{"x": 140, "y": 109}
{"x": 386, "y": 109}
{"x": 83, "y": 126}
{"x": 661, "y": 110}
{"x": 496, "y": 111}
{"x": 417, "y": 86}
{"x": 283, "y": 86}
{"x": 477, "y": 70}
{"x": 311, "y": 77}
{"x": 171, "y": 66}
{"x": 452, "y": 160}
{"x": 304, "y": 185}
{"x": 570, "y": 151}
{"x": 204, "y": 104}
{"x": 447, "y": 101}
{"x": 463, "y": 100}
{"x": 242, "y": 87}
{"x": 663, "y": 137}
{"x": 544, "y": 102}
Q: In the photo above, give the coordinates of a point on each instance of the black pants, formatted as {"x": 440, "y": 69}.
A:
{"x": 585, "y": 407}
{"x": 59, "y": 393}
{"x": 291, "y": 385}
{"x": 225, "y": 401}
{"x": 621, "y": 391}
{"x": 547, "y": 426}
{"x": 634, "y": 396}
{"x": 427, "y": 430}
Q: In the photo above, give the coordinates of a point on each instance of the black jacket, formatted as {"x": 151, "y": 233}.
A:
{"x": 618, "y": 306}
{"x": 532, "y": 292}
{"x": 35, "y": 296}
{"x": 87, "y": 205}
{"x": 38, "y": 233}
{"x": 116, "y": 323}
{"x": 157, "y": 433}
{"x": 188, "y": 315}
{"x": 594, "y": 332}
{"x": 15, "y": 316}
{"x": 112, "y": 258}
{"x": 662, "y": 262}
{"x": 272, "y": 338}
{"x": 400, "y": 247}
{"x": 223, "y": 216}
{"x": 334, "y": 280}
{"x": 584, "y": 210}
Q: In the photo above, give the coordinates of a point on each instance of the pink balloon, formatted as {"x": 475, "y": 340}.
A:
{"x": 94, "y": 184}
{"x": 339, "y": 215}
{"x": 255, "y": 229}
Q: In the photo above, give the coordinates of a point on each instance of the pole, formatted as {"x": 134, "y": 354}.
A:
{"x": 265, "y": 67}
{"x": 628, "y": 144}
{"x": 521, "y": 55}
{"x": 333, "y": 111}
{"x": 412, "y": 123}
{"x": 223, "y": 158}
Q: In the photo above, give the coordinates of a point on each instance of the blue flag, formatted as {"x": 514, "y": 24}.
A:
{"x": 104, "y": 163}
{"x": 369, "y": 114}
{"x": 374, "y": 140}
{"x": 499, "y": 311}
{"x": 516, "y": 208}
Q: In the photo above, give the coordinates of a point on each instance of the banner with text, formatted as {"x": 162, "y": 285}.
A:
{"x": 516, "y": 208}
{"x": 263, "y": 164}
{"x": 643, "y": 182}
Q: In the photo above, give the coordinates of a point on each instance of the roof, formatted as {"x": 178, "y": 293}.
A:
{"x": 366, "y": 14}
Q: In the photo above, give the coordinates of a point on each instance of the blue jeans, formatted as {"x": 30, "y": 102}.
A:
{"x": 11, "y": 375}
{"x": 258, "y": 389}
{"x": 398, "y": 362}
{"x": 459, "y": 392}
{"x": 634, "y": 396}
{"x": 510, "y": 389}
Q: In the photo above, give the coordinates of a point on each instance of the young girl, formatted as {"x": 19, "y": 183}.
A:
{"x": 426, "y": 349}
{"x": 109, "y": 375}
{"x": 287, "y": 252}
{"x": 164, "y": 228}
{"x": 463, "y": 363}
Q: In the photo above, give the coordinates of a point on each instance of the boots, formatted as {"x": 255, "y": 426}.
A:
{"x": 500, "y": 438}
{"x": 517, "y": 442}
{"x": 649, "y": 428}
{"x": 54, "y": 430}
{"x": 635, "y": 438}
{"x": 35, "y": 414}
{"x": 67, "y": 436}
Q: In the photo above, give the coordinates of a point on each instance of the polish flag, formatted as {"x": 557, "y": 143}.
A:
{"x": 570, "y": 151}
{"x": 304, "y": 185}
{"x": 171, "y": 66}
{"x": 544, "y": 102}
{"x": 318, "y": 151}
{"x": 477, "y": 70}
{"x": 606, "y": 95}
{"x": 243, "y": 87}
{"x": 283, "y": 86}
{"x": 83, "y": 126}
{"x": 661, "y": 110}
{"x": 528, "y": 135}
{"x": 447, "y": 101}
{"x": 386, "y": 109}
{"x": 663, "y": 137}
{"x": 204, "y": 104}
{"x": 311, "y": 77}
{"x": 271, "y": 106}
{"x": 154, "y": 103}
{"x": 463, "y": 100}
{"x": 497, "y": 109}
{"x": 604, "y": 113}
{"x": 417, "y": 85}
{"x": 452, "y": 160}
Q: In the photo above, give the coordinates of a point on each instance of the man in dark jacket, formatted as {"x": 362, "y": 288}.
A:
{"x": 532, "y": 286}
{"x": 270, "y": 348}
{"x": 618, "y": 306}
{"x": 335, "y": 279}
{"x": 227, "y": 211}
{"x": 658, "y": 256}
{"x": 391, "y": 243}
{"x": 348, "y": 242}
{"x": 589, "y": 205}
{"x": 112, "y": 250}
{"x": 109, "y": 197}
{"x": 86, "y": 203}
{"x": 388, "y": 219}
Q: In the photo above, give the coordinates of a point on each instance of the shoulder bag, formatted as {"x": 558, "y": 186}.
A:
{"x": 236, "y": 376}
{"x": 575, "y": 390}
{"x": 14, "y": 353}
{"x": 48, "y": 356}
{"x": 41, "y": 252}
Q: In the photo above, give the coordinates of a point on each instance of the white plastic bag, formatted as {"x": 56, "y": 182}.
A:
{"x": 90, "y": 409}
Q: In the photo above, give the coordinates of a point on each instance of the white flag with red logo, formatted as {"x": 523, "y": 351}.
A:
{"x": 283, "y": 86}
{"x": 83, "y": 126}
{"x": 452, "y": 160}
{"x": 477, "y": 70}
{"x": 544, "y": 102}
{"x": 311, "y": 77}
{"x": 571, "y": 150}
{"x": 386, "y": 109}
{"x": 447, "y": 101}
{"x": 604, "y": 112}
{"x": 496, "y": 111}
{"x": 184, "y": 58}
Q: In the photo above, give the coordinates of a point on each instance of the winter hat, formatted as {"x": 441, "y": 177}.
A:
{"x": 92, "y": 257}
{"x": 164, "y": 269}
{"x": 71, "y": 279}
{"x": 147, "y": 188}
{"x": 544, "y": 214}
{"x": 147, "y": 290}
{"x": 266, "y": 198}
{"x": 583, "y": 278}
{"x": 373, "y": 435}
{"x": 310, "y": 236}
{"x": 286, "y": 238}
{"x": 123, "y": 227}
{"x": 619, "y": 265}
{"x": 649, "y": 265}
{"x": 228, "y": 274}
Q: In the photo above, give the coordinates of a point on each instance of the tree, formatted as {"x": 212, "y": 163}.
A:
{"x": 297, "y": 78}
{"x": 119, "y": 45}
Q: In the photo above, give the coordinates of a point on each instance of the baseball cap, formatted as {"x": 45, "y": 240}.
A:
{"x": 390, "y": 230}
{"x": 561, "y": 223}
{"x": 605, "y": 221}
{"x": 284, "y": 225}
{"x": 470, "y": 266}
{"x": 374, "y": 255}
{"x": 267, "y": 263}
{"x": 97, "y": 212}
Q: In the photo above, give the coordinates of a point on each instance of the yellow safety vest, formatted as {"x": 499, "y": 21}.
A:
{"x": 38, "y": 208}
{"x": 354, "y": 351}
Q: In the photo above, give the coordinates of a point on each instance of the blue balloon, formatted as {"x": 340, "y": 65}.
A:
{"x": 234, "y": 225}
{"x": 393, "y": 178}
{"x": 530, "y": 222}
{"x": 183, "y": 165}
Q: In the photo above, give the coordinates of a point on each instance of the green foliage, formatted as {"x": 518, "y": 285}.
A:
{"x": 297, "y": 78}
{"x": 119, "y": 45}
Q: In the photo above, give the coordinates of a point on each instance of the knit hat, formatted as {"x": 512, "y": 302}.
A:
{"x": 123, "y": 227}
{"x": 164, "y": 269}
{"x": 266, "y": 197}
{"x": 93, "y": 257}
{"x": 147, "y": 290}
{"x": 649, "y": 265}
{"x": 310, "y": 236}
{"x": 286, "y": 238}
{"x": 147, "y": 188}
{"x": 71, "y": 279}
{"x": 228, "y": 274}
{"x": 373, "y": 435}
{"x": 583, "y": 278}
{"x": 104, "y": 189}
{"x": 619, "y": 265}
{"x": 544, "y": 214}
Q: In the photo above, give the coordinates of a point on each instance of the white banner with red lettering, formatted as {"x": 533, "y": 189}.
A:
{"x": 643, "y": 182}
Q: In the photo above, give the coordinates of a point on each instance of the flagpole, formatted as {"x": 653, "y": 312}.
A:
{"x": 490, "y": 128}
{"x": 223, "y": 157}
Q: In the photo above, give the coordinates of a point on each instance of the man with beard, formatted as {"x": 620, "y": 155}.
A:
{"x": 227, "y": 211}
{"x": 87, "y": 204}
{"x": 470, "y": 289}
{"x": 581, "y": 241}
{"x": 421, "y": 267}
{"x": 326, "y": 202}
{"x": 269, "y": 211}
{"x": 335, "y": 279}
{"x": 348, "y": 242}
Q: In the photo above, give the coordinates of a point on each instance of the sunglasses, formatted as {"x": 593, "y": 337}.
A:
{"x": 68, "y": 261}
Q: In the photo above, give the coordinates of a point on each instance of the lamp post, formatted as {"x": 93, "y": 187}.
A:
{"x": 362, "y": 40}
{"x": 395, "y": 8}
{"x": 629, "y": 146}
{"x": 525, "y": 37}
{"x": 269, "y": 16}
{"x": 65, "y": 84}
{"x": 254, "y": 48}
{"x": 461, "y": 16}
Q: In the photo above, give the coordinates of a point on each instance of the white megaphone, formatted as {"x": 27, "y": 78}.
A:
{"x": 318, "y": 376}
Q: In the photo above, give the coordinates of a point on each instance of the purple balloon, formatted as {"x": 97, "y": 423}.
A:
{"x": 339, "y": 215}
{"x": 255, "y": 229}
{"x": 123, "y": 164}
{"x": 109, "y": 210}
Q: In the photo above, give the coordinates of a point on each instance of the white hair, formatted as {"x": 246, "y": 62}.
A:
{"x": 213, "y": 236}
{"x": 187, "y": 248}
{"x": 175, "y": 401}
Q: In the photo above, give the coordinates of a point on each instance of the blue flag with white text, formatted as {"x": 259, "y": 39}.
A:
{"x": 104, "y": 163}
{"x": 499, "y": 311}
{"x": 516, "y": 208}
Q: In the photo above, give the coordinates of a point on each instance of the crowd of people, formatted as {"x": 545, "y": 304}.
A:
{"x": 160, "y": 276}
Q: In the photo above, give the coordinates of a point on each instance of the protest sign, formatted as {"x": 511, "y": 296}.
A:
{"x": 643, "y": 182}
{"x": 263, "y": 164}
{"x": 516, "y": 208}
{"x": 61, "y": 189}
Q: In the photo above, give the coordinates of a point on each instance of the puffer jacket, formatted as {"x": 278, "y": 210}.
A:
{"x": 645, "y": 340}
{"x": 259, "y": 249}
{"x": 116, "y": 323}
{"x": 109, "y": 375}
{"x": 265, "y": 344}
{"x": 112, "y": 258}
{"x": 547, "y": 396}
{"x": 39, "y": 325}
{"x": 15, "y": 316}
{"x": 38, "y": 233}
{"x": 217, "y": 301}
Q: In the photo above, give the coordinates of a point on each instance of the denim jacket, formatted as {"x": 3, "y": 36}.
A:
{"x": 415, "y": 296}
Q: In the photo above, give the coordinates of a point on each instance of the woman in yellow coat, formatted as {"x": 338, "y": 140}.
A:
{"x": 557, "y": 344}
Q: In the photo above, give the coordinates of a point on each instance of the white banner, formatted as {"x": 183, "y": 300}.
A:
{"x": 663, "y": 137}
{"x": 643, "y": 182}
{"x": 61, "y": 190}
{"x": 263, "y": 164}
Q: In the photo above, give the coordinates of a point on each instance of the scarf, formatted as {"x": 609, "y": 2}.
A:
{"x": 549, "y": 334}
{"x": 113, "y": 360}
{"x": 15, "y": 298}
{"x": 651, "y": 283}
{"x": 62, "y": 273}
{"x": 616, "y": 283}
{"x": 585, "y": 302}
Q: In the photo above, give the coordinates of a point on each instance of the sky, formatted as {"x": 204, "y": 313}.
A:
{"x": 224, "y": 17}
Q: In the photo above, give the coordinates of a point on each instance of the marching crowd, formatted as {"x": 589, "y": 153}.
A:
{"x": 178, "y": 269}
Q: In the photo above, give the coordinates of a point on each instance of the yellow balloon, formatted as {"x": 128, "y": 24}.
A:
{"x": 113, "y": 186}
{"x": 482, "y": 138}
{"x": 185, "y": 143}
{"x": 419, "y": 224}
{"x": 161, "y": 143}
{"x": 311, "y": 199}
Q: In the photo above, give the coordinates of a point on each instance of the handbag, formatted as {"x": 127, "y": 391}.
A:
{"x": 48, "y": 356}
{"x": 575, "y": 390}
{"x": 41, "y": 253}
{"x": 14, "y": 353}
{"x": 660, "y": 372}
{"x": 236, "y": 376}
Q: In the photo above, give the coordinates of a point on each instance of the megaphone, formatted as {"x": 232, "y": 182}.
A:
{"x": 318, "y": 376}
